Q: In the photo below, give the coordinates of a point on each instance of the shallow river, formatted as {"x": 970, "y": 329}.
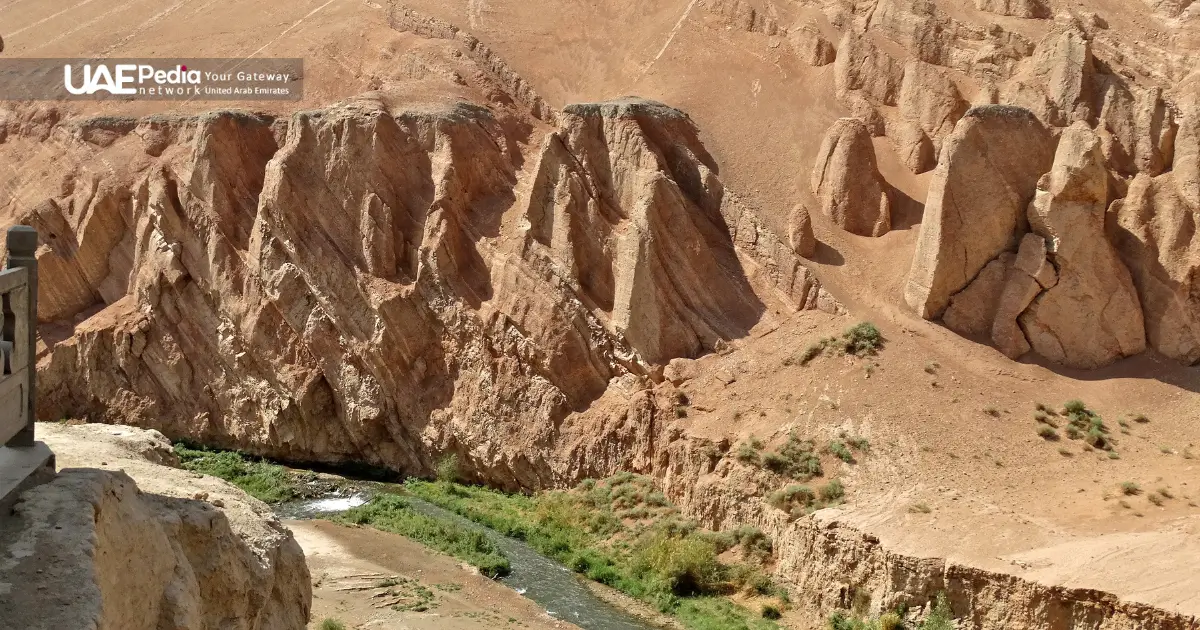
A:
{"x": 552, "y": 585}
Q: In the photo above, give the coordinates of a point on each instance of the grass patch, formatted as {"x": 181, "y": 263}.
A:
{"x": 394, "y": 513}
{"x": 748, "y": 452}
{"x": 1047, "y": 433}
{"x": 1085, "y": 424}
{"x": 861, "y": 340}
{"x": 796, "y": 458}
{"x": 267, "y": 482}
{"x": 622, "y": 533}
{"x": 940, "y": 618}
{"x": 1130, "y": 488}
{"x": 841, "y": 451}
{"x": 331, "y": 624}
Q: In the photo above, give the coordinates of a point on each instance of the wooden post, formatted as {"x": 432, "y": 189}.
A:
{"x": 22, "y": 252}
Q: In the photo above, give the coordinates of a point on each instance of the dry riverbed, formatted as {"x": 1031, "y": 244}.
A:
{"x": 374, "y": 580}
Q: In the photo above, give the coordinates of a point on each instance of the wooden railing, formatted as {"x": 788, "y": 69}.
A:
{"x": 18, "y": 298}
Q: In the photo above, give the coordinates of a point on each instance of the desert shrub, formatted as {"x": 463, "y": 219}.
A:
{"x": 941, "y": 618}
{"x": 795, "y": 458}
{"x": 1140, "y": 419}
{"x": 684, "y": 565}
{"x": 1155, "y": 499}
{"x": 832, "y": 491}
{"x": 1048, "y": 433}
{"x": 746, "y": 454}
{"x": 839, "y": 449}
{"x": 864, "y": 339}
{"x": 1130, "y": 488}
{"x": 331, "y": 624}
{"x": 992, "y": 411}
{"x": 771, "y": 611}
{"x": 447, "y": 469}
{"x": 1085, "y": 424}
{"x": 859, "y": 444}
{"x": 891, "y": 621}
{"x": 792, "y": 496}
{"x": 1075, "y": 406}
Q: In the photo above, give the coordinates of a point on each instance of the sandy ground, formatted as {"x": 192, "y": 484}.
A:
{"x": 375, "y": 580}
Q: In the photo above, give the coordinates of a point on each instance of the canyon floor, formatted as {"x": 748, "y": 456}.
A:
{"x": 349, "y": 565}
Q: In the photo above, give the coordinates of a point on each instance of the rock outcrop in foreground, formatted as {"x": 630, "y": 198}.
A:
{"x": 169, "y": 551}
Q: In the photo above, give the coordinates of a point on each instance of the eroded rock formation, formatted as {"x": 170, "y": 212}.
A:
{"x": 846, "y": 181}
{"x": 976, "y": 206}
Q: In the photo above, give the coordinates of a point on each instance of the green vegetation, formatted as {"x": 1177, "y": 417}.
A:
{"x": 331, "y": 624}
{"x": 393, "y": 513}
{"x": 748, "y": 451}
{"x": 940, "y": 618}
{"x": 262, "y": 480}
{"x": 796, "y": 458}
{"x": 1047, "y": 433}
{"x": 860, "y": 340}
{"x": 841, "y": 451}
{"x": 864, "y": 339}
{"x": 1087, "y": 425}
{"x": 622, "y": 533}
{"x": 447, "y": 469}
{"x": 1130, "y": 488}
{"x": 832, "y": 491}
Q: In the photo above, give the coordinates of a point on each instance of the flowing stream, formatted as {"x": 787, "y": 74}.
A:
{"x": 552, "y": 585}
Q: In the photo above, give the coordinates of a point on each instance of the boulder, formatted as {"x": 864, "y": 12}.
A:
{"x": 986, "y": 176}
{"x": 1092, "y": 316}
{"x": 1033, "y": 9}
{"x": 1137, "y": 127}
{"x": 810, "y": 45}
{"x": 800, "y": 232}
{"x": 930, "y": 103}
{"x": 972, "y": 310}
{"x": 1156, "y": 238}
{"x": 130, "y": 543}
{"x": 1057, "y": 82}
{"x": 1030, "y": 274}
{"x": 847, "y": 183}
{"x": 862, "y": 65}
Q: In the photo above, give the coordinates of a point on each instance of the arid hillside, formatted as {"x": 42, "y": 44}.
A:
{"x": 559, "y": 240}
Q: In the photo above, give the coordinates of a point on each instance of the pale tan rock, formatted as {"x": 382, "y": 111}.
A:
{"x": 972, "y": 310}
{"x": 1186, "y": 168}
{"x": 129, "y": 548}
{"x": 810, "y": 45}
{"x": 679, "y": 371}
{"x": 1057, "y": 84}
{"x": 847, "y": 183}
{"x": 931, "y": 104}
{"x": 987, "y": 175}
{"x": 862, "y": 65}
{"x": 1031, "y": 259}
{"x": 800, "y": 232}
{"x": 1138, "y": 127}
{"x": 1092, "y": 316}
{"x": 1033, "y": 9}
{"x": 1156, "y": 238}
